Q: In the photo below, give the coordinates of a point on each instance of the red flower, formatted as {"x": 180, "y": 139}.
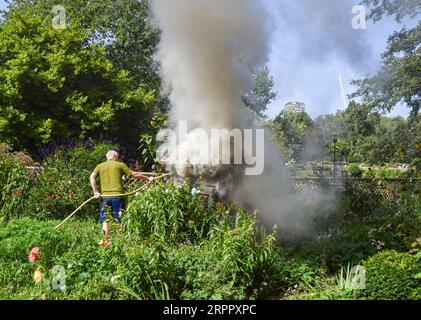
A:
{"x": 34, "y": 255}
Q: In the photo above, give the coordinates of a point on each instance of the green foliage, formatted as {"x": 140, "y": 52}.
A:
{"x": 19, "y": 236}
{"x": 385, "y": 173}
{"x": 339, "y": 149}
{"x": 392, "y": 276}
{"x": 373, "y": 215}
{"x": 121, "y": 27}
{"x": 56, "y": 84}
{"x": 261, "y": 95}
{"x": 63, "y": 183}
{"x": 221, "y": 258}
{"x": 384, "y": 144}
{"x": 398, "y": 79}
{"x": 354, "y": 170}
{"x": 359, "y": 120}
{"x": 148, "y": 156}
{"x": 367, "y": 137}
{"x": 351, "y": 278}
{"x": 291, "y": 129}
{"x": 238, "y": 262}
{"x": 171, "y": 213}
{"x": 15, "y": 183}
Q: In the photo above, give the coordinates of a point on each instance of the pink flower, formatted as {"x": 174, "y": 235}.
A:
{"x": 34, "y": 255}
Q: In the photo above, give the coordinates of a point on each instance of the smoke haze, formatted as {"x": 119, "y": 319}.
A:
{"x": 207, "y": 52}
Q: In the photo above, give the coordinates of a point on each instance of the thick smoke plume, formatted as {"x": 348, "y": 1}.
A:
{"x": 208, "y": 51}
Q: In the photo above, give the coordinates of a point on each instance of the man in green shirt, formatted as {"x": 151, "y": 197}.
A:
{"x": 110, "y": 174}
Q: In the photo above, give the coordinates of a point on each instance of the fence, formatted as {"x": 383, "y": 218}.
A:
{"x": 385, "y": 189}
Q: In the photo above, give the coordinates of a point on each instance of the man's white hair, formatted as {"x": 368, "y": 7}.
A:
{"x": 112, "y": 154}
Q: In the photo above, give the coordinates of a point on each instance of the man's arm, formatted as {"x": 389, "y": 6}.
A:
{"x": 92, "y": 180}
{"x": 139, "y": 176}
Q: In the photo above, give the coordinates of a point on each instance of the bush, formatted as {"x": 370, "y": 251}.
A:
{"x": 53, "y": 192}
{"x": 63, "y": 183}
{"x": 385, "y": 173}
{"x": 15, "y": 183}
{"x": 171, "y": 213}
{"x": 355, "y": 171}
{"x": 183, "y": 246}
{"x": 186, "y": 256}
{"x": 392, "y": 276}
{"x": 179, "y": 245}
{"x": 230, "y": 263}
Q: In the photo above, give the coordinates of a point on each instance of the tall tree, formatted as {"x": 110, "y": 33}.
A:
{"x": 122, "y": 27}
{"x": 358, "y": 121}
{"x": 291, "y": 128}
{"x": 262, "y": 93}
{"x": 399, "y": 77}
{"x": 384, "y": 145}
{"x": 57, "y": 84}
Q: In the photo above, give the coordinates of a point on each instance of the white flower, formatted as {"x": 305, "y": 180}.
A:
{"x": 114, "y": 279}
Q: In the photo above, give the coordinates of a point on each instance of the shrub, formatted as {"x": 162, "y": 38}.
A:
{"x": 171, "y": 213}
{"x": 392, "y": 276}
{"x": 217, "y": 256}
{"x": 385, "y": 173}
{"x": 145, "y": 271}
{"x": 230, "y": 264}
{"x": 184, "y": 247}
{"x": 88, "y": 271}
{"x": 355, "y": 171}
{"x": 63, "y": 183}
{"x": 15, "y": 183}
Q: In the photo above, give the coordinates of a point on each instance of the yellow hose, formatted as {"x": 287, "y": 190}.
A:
{"x": 117, "y": 195}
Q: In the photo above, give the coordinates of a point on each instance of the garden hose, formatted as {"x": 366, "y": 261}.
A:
{"x": 118, "y": 195}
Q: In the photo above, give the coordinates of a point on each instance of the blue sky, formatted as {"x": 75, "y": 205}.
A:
{"x": 313, "y": 44}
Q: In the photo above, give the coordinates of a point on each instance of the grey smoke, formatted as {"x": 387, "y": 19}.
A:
{"x": 323, "y": 28}
{"x": 315, "y": 42}
{"x": 207, "y": 52}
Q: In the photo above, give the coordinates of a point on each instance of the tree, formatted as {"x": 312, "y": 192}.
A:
{"x": 399, "y": 78}
{"x": 124, "y": 30}
{"x": 57, "y": 84}
{"x": 364, "y": 135}
{"x": 262, "y": 92}
{"x": 385, "y": 144}
{"x": 121, "y": 27}
{"x": 290, "y": 129}
{"x": 397, "y": 8}
{"x": 358, "y": 121}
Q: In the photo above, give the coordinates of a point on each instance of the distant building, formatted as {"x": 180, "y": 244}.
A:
{"x": 295, "y": 106}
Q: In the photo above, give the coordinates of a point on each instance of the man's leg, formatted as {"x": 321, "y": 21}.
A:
{"x": 118, "y": 207}
{"x": 103, "y": 208}
{"x": 105, "y": 230}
